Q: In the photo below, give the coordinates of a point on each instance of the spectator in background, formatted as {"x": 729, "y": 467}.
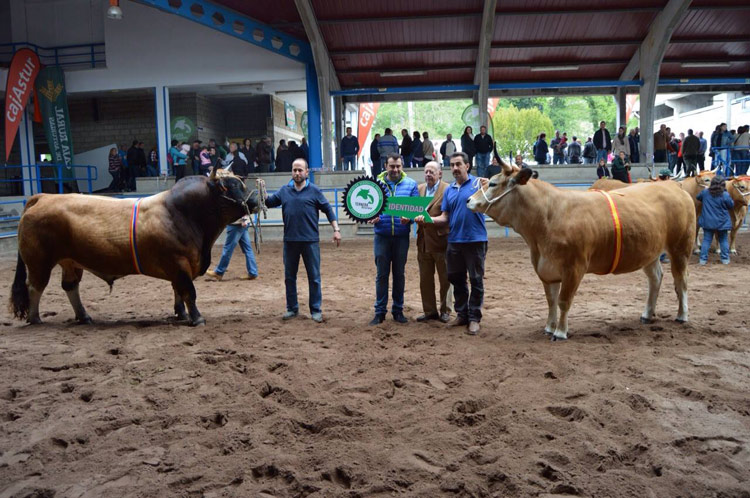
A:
{"x": 660, "y": 145}
{"x": 483, "y": 144}
{"x": 205, "y": 165}
{"x": 283, "y": 158}
{"x": 178, "y": 160}
{"x": 716, "y": 204}
{"x": 602, "y": 141}
{"x": 133, "y": 164}
{"x": 249, "y": 151}
{"x": 672, "y": 148}
{"x": 467, "y": 145}
{"x": 702, "y": 151}
{"x": 375, "y": 156}
{"x": 742, "y": 149}
{"x": 264, "y": 155}
{"x": 219, "y": 148}
{"x": 690, "y": 147}
{"x": 574, "y": 151}
{"x": 305, "y": 149}
{"x": 349, "y": 149}
{"x": 194, "y": 159}
{"x": 296, "y": 151}
{"x": 406, "y": 147}
{"x": 417, "y": 151}
{"x": 621, "y": 142}
{"x": 621, "y": 168}
{"x": 541, "y": 149}
{"x": 558, "y": 149}
{"x": 634, "y": 140}
{"x": 152, "y": 168}
{"x": 236, "y": 162}
{"x": 387, "y": 144}
{"x": 428, "y": 149}
{"x": 115, "y": 166}
{"x": 602, "y": 171}
{"x": 447, "y": 149}
{"x": 589, "y": 152}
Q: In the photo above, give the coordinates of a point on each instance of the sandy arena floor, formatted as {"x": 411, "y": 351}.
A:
{"x": 252, "y": 406}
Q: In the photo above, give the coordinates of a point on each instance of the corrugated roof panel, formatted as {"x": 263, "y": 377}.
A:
{"x": 338, "y": 9}
{"x": 563, "y": 54}
{"x": 733, "y": 70}
{"x": 714, "y": 23}
{"x": 536, "y": 5}
{"x": 571, "y": 28}
{"x": 405, "y": 59}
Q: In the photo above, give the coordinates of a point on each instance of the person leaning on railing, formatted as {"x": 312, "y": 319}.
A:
{"x": 742, "y": 149}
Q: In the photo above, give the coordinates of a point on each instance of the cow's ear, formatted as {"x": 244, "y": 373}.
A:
{"x": 523, "y": 176}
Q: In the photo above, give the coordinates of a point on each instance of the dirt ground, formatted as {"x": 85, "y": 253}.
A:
{"x": 248, "y": 405}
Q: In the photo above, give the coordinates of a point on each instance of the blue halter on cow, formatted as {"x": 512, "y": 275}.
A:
{"x": 168, "y": 235}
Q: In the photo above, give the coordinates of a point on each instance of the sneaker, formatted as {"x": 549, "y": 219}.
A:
{"x": 377, "y": 320}
{"x": 248, "y": 277}
{"x": 400, "y": 318}
{"x": 724, "y": 261}
{"x": 473, "y": 328}
{"x": 214, "y": 275}
{"x": 425, "y": 317}
{"x": 445, "y": 317}
{"x": 289, "y": 315}
{"x": 317, "y": 317}
{"x": 702, "y": 263}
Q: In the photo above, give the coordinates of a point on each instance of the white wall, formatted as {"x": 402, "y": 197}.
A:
{"x": 706, "y": 118}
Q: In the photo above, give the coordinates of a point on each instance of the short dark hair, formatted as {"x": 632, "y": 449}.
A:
{"x": 388, "y": 131}
{"x": 174, "y": 142}
{"x": 394, "y": 156}
{"x": 463, "y": 155}
{"x": 135, "y": 142}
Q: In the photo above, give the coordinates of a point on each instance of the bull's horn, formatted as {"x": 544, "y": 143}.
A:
{"x": 213, "y": 174}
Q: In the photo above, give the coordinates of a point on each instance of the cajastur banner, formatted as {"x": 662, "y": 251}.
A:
{"x": 23, "y": 71}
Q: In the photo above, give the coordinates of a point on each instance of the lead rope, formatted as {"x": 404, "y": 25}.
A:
{"x": 262, "y": 195}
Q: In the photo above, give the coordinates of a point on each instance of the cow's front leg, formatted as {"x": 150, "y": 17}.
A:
{"x": 680, "y": 274}
{"x": 179, "y": 305}
{"x": 552, "y": 292}
{"x": 185, "y": 287}
{"x": 568, "y": 287}
{"x": 71, "y": 278}
{"x": 654, "y": 273}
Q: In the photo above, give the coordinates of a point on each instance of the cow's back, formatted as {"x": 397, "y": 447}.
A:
{"x": 608, "y": 184}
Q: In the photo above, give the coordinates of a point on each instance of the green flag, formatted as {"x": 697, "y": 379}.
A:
{"x": 53, "y": 104}
{"x": 409, "y": 207}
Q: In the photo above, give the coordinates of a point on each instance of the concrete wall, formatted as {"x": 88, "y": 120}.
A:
{"x": 249, "y": 117}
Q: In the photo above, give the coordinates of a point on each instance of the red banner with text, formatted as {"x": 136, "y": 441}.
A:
{"x": 21, "y": 75}
{"x": 367, "y": 113}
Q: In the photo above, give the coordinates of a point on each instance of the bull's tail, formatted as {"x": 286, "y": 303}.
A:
{"x": 19, "y": 294}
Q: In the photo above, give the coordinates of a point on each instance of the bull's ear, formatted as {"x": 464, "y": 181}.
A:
{"x": 507, "y": 169}
{"x": 535, "y": 174}
{"x": 523, "y": 176}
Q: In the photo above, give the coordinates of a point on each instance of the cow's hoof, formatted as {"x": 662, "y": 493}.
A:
{"x": 733, "y": 251}
{"x": 85, "y": 320}
{"x": 680, "y": 320}
{"x": 181, "y": 317}
{"x": 560, "y": 337}
{"x": 696, "y": 251}
{"x": 647, "y": 321}
{"x": 198, "y": 322}
{"x": 547, "y": 332}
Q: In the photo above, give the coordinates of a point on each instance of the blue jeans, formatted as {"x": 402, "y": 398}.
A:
{"x": 558, "y": 159}
{"x": 390, "y": 254}
{"x": 350, "y": 163}
{"x": 446, "y": 162}
{"x": 483, "y": 162}
{"x": 310, "y": 252}
{"x": 708, "y": 236}
{"x": 151, "y": 170}
{"x": 601, "y": 154}
{"x": 236, "y": 234}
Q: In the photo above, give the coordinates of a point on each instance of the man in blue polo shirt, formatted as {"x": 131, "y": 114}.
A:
{"x": 467, "y": 244}
{"x": 300, "y": 202}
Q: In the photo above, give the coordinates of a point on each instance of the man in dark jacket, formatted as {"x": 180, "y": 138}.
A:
{"x": 635, "y": 145}
{"x": 574, "y": 151}
{"x": 602, "y": 142}
{"x": 132, "y": 167}
{"x": 483, "y": 144}
{"x": 406, "y": 147}
{"x": 589, "y": 151}
{"x": 541, "y": 149}
{"x": 690, "y": 148}
{"x": 349, "y": 149}
{"x": 264, "y": 150}
{"x": 194, "y": 159}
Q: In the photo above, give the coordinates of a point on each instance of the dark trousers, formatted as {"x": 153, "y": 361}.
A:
{"x": 660, "y": 156}
{"x": 390, "y": 257}
{"x": 179, "y": 172}
{"x": 460, "y": 259}
{"x": 310, "y": 252}
{"x": 702, "y": 161}
{"x": 376, "y": 167}
{"x": 115, "y": 185}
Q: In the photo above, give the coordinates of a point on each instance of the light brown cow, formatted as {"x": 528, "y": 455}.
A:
{"x": 693, "y": 185}
{"x": 171, "y": 238}
{"x": 607, "y": 184}
{"x": 571, "y": 233}
{"x": 739, "y": 189}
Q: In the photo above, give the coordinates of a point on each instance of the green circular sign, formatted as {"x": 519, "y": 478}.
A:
{"x": 182, "y": 128}
{"x": 364, "y": 199}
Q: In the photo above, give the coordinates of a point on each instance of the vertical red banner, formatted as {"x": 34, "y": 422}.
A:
{"x": 21, "y": 75}
{"x": 367, "y": 113}
{"x": 492, "y": 106}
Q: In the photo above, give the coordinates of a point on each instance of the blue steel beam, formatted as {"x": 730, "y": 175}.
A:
{"x": 238, "y": 26}
{"x": 314, "y": 131}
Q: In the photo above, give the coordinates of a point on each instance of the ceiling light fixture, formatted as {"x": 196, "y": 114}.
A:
{"x": 114, "y": 11}
{"x": 390, "y": 74}
{"x": 540, "y": 69}
{"x": 705, "y": 64}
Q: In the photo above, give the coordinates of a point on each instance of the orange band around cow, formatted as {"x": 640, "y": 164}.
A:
{"x": 618, "y": 230}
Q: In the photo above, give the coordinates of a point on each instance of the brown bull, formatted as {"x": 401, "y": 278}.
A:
{"x": 167, "y": 236}
{"x": 571, "y": 233}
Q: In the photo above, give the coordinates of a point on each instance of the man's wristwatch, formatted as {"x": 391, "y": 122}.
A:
{"x": 336, "y": 230}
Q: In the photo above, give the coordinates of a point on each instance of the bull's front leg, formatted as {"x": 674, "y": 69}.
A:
{"x": 568, "y": 288}
{"x": 184, "y": 285}
{"x": 179, "y": 305}
{"x": 552, "y": 293}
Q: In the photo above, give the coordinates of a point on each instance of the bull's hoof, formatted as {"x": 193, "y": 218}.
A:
{"x": 34, "y": 320}
{"x": 547, "y": 332}
{"x": 85, "y": 320}
{"x": 198, "y": 322}
{"x": 733, "y": 251}
{"x": 647, "y": 321}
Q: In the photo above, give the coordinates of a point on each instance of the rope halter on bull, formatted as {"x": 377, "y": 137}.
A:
{"x": 478, "y": 186}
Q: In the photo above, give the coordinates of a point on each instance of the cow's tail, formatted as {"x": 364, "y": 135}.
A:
{"x": 19, "y": 294}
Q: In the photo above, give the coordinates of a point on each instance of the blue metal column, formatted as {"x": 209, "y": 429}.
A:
{"x": 315, "y": 139}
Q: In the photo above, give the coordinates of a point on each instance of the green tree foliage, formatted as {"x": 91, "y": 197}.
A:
{"x": 516, "y": 129}
{"x": 438, "y": 118}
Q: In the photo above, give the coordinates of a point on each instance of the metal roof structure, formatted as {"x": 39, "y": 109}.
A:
{"x": 396, "y": 44}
